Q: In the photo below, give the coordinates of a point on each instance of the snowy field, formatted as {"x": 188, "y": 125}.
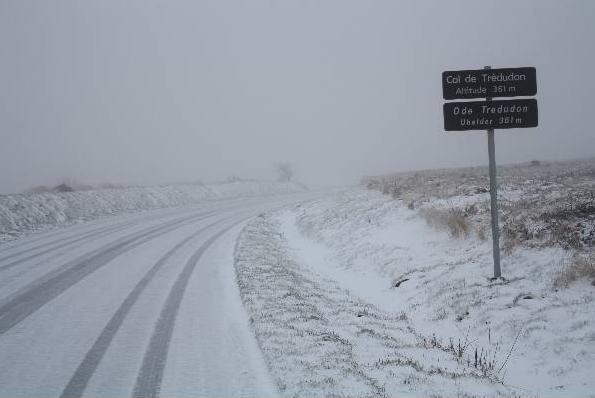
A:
{"x": 367, "y": 294}
{"x": 24, "y": 213}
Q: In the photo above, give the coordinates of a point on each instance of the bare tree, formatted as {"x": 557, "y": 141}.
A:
{"x": 285, "y": 170}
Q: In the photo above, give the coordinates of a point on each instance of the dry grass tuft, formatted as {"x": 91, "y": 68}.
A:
{"x": 453, "y": 220}
{"x": 579, "y": 267}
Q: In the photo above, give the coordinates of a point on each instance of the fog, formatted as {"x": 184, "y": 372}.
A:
{"x": 152, "y": 92}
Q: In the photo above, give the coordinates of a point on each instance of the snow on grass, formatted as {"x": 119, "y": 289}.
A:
{"x": 541, "y": 204}
{"x": 23, "y": 213}
{"x": 321, "y": 340}
{"x": 539, "y": 336}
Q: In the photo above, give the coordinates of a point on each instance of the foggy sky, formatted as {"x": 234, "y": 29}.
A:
{"x": 152, "y": 91}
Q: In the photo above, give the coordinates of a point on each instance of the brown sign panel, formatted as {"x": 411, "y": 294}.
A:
{"x": 483, "y": 83}
{"x": 484, "y": 115}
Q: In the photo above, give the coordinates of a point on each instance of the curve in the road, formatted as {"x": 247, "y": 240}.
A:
{"x": 31, "y": 245}
{"x": 70, "y": 230}
{"x": 94, "y": 234}
{"x": 34, "y": 296}
{"x": 37, "y": 240}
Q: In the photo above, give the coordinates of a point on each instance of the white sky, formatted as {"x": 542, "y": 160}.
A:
{"x": 146, "y": 91}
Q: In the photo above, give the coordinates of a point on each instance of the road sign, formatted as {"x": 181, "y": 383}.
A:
{"x": 487, "y": 83}
{"x": 487, "y": 115}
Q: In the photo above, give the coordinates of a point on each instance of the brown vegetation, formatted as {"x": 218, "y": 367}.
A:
{"x": 452, "y": 220}
{"x": 552, "y": 203}
{"x": 578, "y": 267}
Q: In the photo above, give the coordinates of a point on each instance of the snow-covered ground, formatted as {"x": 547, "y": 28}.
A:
{"x": 137, "y": 305}
{"x": 24, "y": 213}
{"x": 357, "y": 295}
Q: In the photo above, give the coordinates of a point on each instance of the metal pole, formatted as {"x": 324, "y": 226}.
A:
{"x": 494, "y": 199}
{"x": 494, "y": 203}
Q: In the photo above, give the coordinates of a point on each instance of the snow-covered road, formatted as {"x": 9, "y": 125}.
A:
{"x": 139, "y": 305}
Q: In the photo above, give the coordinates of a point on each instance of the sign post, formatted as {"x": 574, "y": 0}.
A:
{"x": 494, "y": 198}
{"x": 490, "y": 115}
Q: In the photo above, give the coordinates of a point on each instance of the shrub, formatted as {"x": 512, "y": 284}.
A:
{"x": 566, "y": 235}
{"x": 63, "y": 188}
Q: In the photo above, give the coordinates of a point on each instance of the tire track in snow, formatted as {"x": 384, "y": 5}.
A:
{"x": 148, "y": 382}
{"x": 29, "y": 299}
{"x": 80, "y": 379}
{"x": 91, "y": 235}
{"x": 50, "y": 243}
{"x": 73, "y": 237}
